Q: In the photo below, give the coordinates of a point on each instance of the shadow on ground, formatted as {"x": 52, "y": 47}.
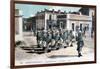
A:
{"x": 61, "y": 56}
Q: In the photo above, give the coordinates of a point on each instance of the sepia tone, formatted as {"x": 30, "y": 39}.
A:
{"x": 33, "y": 49}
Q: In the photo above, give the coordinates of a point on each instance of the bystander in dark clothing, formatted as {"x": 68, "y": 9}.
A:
{"x": 92, "y": 33}
{"x": 84, "y": 31}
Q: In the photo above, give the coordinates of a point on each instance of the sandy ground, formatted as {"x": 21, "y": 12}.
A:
{"x": 66, "y": 55}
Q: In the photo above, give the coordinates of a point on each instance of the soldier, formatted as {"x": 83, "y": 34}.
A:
{"x": 46, "y": 40}
{"x": 60, "y": 38}
{"x": 66, "y": 37}
{"x": 60, "y": 42}
{"x": 53, "y": 38}
{"x": 44, "y": 35}
{"x": 49, "y": 37}
{"x": 39, "y": 38}
{"x": 61, "y": 34}
{"x": 38, "y": 35}
{"x": 57, "y": 38}
{"x": 71, "y": 38}
{"x": 80, "y": 43}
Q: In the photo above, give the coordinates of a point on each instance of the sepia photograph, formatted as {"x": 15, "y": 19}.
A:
{"x": 53, "y": 33}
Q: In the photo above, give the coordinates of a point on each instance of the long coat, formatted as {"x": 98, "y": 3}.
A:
{"x": 80, "y": 42}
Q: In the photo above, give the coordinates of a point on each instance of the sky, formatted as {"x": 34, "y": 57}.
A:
{"x": 30, "y": 10}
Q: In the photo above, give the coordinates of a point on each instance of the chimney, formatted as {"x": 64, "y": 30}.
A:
{"x": 53, "y": 10}
{"x": 59, "y": 11}
{"x": 69, "y": 12}
{"x": 37, "y": 12}
{"x": 64, "y": 12}
{"x": 41, "y": 10}
{"x": 46, "y": 10}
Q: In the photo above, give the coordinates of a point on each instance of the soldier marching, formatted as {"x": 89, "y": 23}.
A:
{"x": 54, "y": 39}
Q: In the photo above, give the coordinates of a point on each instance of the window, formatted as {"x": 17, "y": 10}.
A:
{"x": 81, "y": 27}
{"x": 49, "y": 17}
{"x": 73, "y": 26}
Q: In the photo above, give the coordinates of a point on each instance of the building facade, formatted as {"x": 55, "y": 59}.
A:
{"x": 18, "y": 25}
{"x": 70, "y": 21}
{"x": 89, "y": 12}
{"x": 49, "y": 18}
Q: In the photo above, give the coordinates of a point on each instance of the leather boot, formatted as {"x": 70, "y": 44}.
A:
{"x": 79, "y": 55}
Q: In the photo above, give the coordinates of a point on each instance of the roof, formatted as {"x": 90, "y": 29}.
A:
{"x": 18, "y": 13}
